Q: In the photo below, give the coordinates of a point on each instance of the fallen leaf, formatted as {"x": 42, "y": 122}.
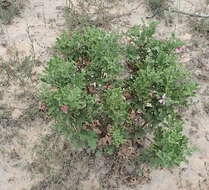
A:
{"x": 97, "y": 131}
{"x": 91, "y": 89}
{"x": 104, "y": 140}
{"x": 127, "y": 95}
{"x": 126, "y": 152}
{"x": 42, "y": 107}
{"x": 96, "y": 123}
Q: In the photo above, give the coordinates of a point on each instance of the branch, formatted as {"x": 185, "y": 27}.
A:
{"x": 151, "y": 141}
{"x": 158, "y": 11}
{"x": 179, "y": 12}
{"x": 188, "y": 14}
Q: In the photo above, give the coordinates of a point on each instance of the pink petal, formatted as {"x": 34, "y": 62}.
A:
{"x": 64, "y": 108}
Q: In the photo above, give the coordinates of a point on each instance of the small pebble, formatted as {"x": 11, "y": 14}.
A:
{"x": 4, "y": 43}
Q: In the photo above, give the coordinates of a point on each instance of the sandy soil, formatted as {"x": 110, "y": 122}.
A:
{"x": 30, "y": 155}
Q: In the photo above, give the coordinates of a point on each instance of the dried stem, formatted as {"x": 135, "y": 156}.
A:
{"x": 179, "y": 12}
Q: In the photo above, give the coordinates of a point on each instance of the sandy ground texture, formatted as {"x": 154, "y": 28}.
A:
{"x": 33, "y": 156}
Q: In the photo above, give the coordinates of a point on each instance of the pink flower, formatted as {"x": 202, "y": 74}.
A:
{"x": 179, "y": 49}
{"x": 64, "y": 108}
{"x": 163, "y": 99}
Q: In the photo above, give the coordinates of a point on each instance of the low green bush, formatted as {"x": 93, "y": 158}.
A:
{"x": 107, "y": 91}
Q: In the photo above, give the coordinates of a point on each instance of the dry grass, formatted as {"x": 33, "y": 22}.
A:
{"x": 200, "y": 25}
{"x": 95, "y": 13}
{"x": 9, "y": 9}
{"x": 67, "y": 168}
{"x": 156, "y": 4}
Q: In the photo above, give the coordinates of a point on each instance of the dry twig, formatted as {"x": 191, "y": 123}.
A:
{"x": 179, "y": 12}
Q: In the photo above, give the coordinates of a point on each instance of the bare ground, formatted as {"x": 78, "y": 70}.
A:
{"x": 33, "y": 156}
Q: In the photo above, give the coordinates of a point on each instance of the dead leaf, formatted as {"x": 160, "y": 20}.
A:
{"x": 97, "y": 131}
{"x": 91, "y": 89}
{"x": 42, "y": 107}
{"x": 104, "y": 141}
{"x": 132, "y": 115}
{"x": 107, "y": 86}
{"x": 54, "y": 89}
{"x": 109, "y": 128}
{"x": 126, "y": 152}
{"x": 127, "y": 95}
{"x": 96, "y": 123}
